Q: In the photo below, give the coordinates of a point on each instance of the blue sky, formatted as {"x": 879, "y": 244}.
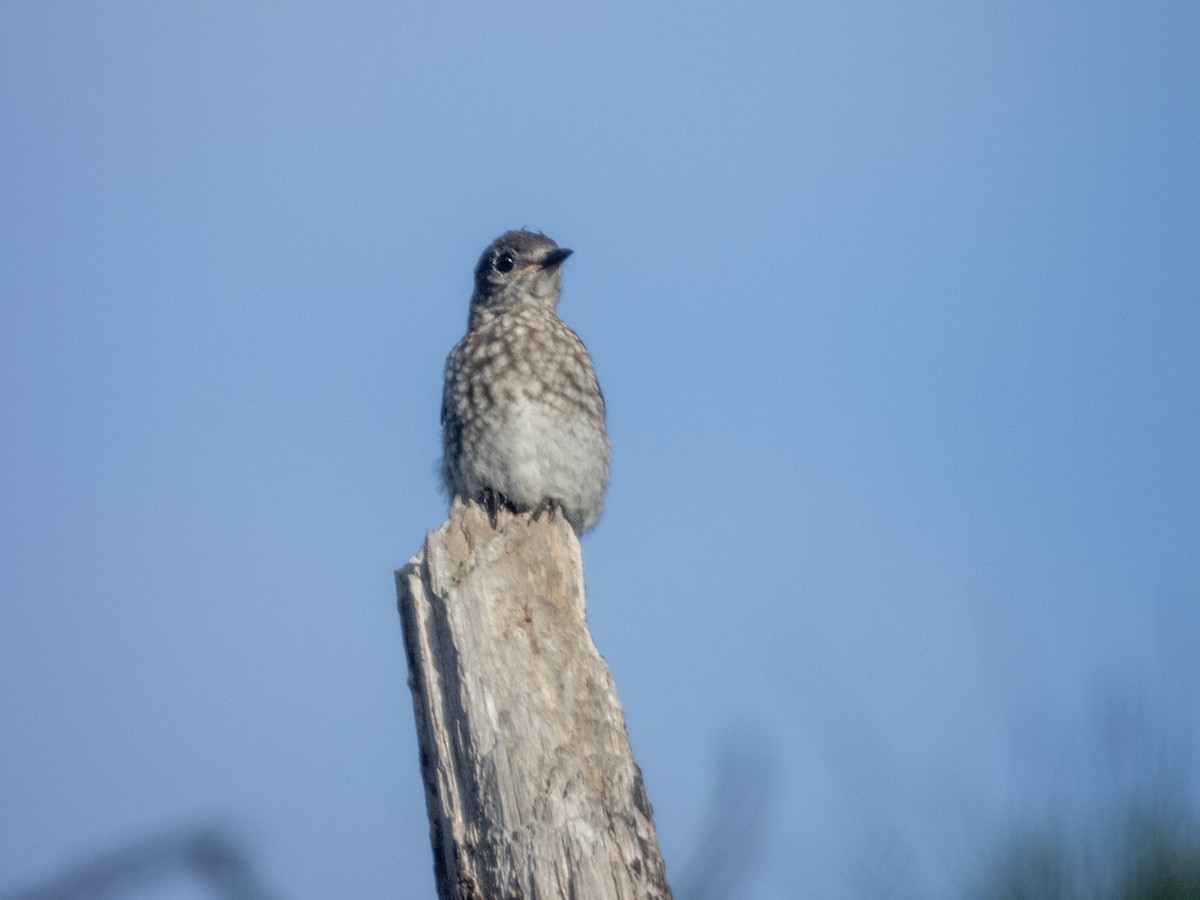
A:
{"x": 895, "y": 309}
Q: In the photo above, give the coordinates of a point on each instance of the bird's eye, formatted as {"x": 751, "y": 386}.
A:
{"x": 504, "y": 263}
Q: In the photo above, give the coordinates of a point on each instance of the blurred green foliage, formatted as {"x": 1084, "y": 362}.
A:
{"x": 1151, "y": 856}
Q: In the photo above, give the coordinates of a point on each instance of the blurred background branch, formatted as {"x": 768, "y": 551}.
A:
{"x": 206, "y": 855}
{"x": 739, "y": 817}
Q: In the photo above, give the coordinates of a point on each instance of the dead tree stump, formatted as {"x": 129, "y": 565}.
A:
{"x": 530, "y": 782}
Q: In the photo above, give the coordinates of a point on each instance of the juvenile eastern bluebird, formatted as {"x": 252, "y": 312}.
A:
{"x": 522, "y": 412}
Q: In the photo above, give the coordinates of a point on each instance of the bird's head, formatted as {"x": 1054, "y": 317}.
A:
{"x": 517, "y": 269}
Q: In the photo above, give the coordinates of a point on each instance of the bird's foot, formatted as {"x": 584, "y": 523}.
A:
{"x": 550, "y": 506}
{"x": 493, "y": 501}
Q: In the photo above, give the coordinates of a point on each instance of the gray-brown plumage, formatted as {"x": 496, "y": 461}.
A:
{"x": 522, "y": 412}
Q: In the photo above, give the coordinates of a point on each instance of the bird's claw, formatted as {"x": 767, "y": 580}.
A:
{"x": 493, "y": 501}
{"x": 549, "y": 505}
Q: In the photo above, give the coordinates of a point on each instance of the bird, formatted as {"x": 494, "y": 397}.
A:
{"x": 523, "y": 416}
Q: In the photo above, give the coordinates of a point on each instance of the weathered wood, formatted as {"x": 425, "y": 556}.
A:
{"x": 530, "y": 783}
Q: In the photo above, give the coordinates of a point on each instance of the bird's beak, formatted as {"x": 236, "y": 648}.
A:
{"x": 556, "y": 257}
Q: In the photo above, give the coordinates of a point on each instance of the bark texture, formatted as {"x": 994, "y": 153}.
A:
{"x": 530, "y": 782}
